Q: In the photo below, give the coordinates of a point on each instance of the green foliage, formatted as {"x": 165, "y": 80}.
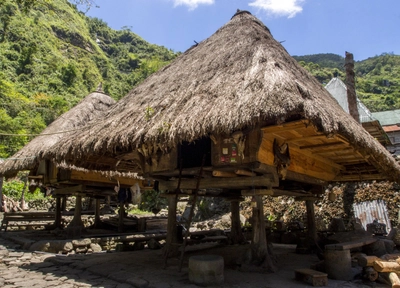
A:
{"x": 327, "y": 60}
{"x": 151, "y": 199}
{"x": 52, "y": 56}
{"x": 377, "y": 78}
{"x": 137, "y": 211}
{"x": 13, "y": 189}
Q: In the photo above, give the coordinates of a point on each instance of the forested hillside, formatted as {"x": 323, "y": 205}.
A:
{"x": 377, "y": 78}
{"x": 52, "y": 56}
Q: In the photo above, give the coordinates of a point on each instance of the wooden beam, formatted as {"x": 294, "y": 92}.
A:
{"x": 304, "y": 178}
{"x": 228, "y": 174}
{"x": 322, "y": 145}
{"x": 357, "y": 177}
{"x": 207, "y": 183}
{"x": 271, "y": 192}
{"x": 36, "y": 177}
{"x": 245, "y": 173}
{"x": 98, "y": 177}
{"x": 307, "y": 198}
{"x": 322, "y": 159}
{"x": 70, "y": 190}
{"x": 254, "y": 192}
{"x": 305, "y": 138}
{"x": 286, "y": 126}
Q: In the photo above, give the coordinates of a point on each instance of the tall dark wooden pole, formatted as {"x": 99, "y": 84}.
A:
{"x": 57, "y": 221}
{"x": 259, "y": 257}
{"x": 172, "y": 231}
{"x": 121, "y": 213}
{"x": 236, "y": 236}
{"x": 351, "y": 87}
{"x": 311, "y": 227}
{"x": 97, "y": 221}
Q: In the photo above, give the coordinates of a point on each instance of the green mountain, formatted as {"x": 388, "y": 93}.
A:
{"x": 377, "y": 78}
{"x": 52, "y": 55}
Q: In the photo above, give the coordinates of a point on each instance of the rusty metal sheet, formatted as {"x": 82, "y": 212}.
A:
{"x": 369, "y": 211}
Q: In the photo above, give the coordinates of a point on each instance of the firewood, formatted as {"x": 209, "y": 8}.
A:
{"x": 386, "y": 266}
{"x": 388, "y": 257}
{"x": 394, "y": 279}
{"x": 365, "y": 261}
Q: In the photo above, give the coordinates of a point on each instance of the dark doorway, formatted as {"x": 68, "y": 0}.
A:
{"x": 192, "y": 153}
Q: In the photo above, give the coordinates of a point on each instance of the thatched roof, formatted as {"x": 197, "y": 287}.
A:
{"x": 91, "y": 107}
{"x": 237, "y": 78}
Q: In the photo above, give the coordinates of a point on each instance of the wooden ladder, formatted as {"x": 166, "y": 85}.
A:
{"x": 192, "y": 205}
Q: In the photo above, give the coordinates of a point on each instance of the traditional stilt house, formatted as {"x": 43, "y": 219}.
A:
{"x": 64, "y": 180}
{"x": 237, "y": 116}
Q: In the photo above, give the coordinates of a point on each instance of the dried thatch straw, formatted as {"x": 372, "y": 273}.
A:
{"x": 237, "y": 78}
{"x": 91, "y": 107}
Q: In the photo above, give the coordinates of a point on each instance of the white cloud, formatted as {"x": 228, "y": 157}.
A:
{"x": 192, "y": 4}
{"x": 287, "y": 8}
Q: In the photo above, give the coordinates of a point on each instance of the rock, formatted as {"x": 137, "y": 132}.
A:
{"x": 81, "y": 242}
{"x": 81, "y": 250}
{"x": 52, "y": 246}
{"x": 377, "y": 248}
{"x": 337, "y": 225}
{"x": 95, "y": 247}
{"x": 226, "y": 221}
{"x": 153, "y": 244}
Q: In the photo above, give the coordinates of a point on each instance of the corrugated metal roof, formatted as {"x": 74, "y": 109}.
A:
{"x": 369, "y": 211}
{"x": 387, "y": 118}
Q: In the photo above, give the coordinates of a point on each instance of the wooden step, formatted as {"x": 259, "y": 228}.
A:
{"x": 311, "y": 276}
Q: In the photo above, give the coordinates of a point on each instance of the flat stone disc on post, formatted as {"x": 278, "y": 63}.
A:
{"x": 206, "y": 270}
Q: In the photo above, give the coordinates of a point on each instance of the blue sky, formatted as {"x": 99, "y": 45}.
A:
{"x": 365, "y": 28}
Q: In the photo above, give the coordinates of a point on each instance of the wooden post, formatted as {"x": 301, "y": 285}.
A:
{"x": 121, "y": 212}
{"x": 172, "y": 231}
{"x": 57, "y": 221}
{"x": 311, "y": 227}
{"x": 351, "y": 87}
{"x": 236, "y": 236}
{"x": 77, "y": 220}
{"x": 259, "y": 238}
{"x": 64, "y": 203}
{"x": 1, "y": 193}
{"x": 258, "y": 258}
{"x": 76, "y": 226}
{"x": 97, "y": 221}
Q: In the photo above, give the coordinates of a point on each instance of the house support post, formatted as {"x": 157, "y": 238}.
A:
{"x": 64, "y": 203}
{"x": 57, "y": 222}
{"x": 76, "y": 226}
{"x": 97, "y": 222}
{"x": 311, "y": 227}
{"x": 121, "y": 213}
{"x": 236, "y": 236}
{"x": 258, "y": 257}
{"x": 172, "y": 231}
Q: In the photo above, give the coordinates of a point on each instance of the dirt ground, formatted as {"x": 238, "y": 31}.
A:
{"x": 146, "y": 267}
